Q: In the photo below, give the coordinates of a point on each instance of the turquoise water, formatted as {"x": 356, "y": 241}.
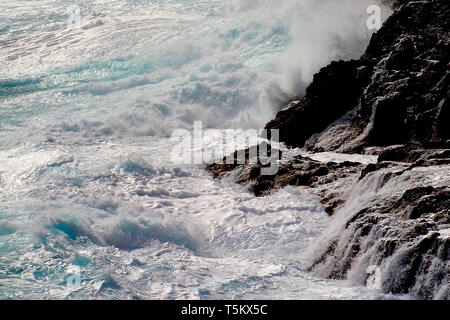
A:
{"x": 91, "y": 205}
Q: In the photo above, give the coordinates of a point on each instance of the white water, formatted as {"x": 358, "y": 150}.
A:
{"x": 86, "y": 181}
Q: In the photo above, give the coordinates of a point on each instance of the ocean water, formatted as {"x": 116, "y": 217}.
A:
{"x": 91, "y": 206}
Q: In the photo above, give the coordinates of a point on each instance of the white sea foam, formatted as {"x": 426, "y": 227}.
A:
{"x": 85, "y": 173}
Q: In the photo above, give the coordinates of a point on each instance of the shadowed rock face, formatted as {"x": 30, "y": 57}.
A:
{"x": 342, "y": 82}
{"x": 393, "y": 216}
{"x": 398, "y": 90}
{"x": 403, "y": 237}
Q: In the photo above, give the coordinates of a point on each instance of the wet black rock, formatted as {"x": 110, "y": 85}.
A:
{"x": 298, "y": 171}
{"x": 402, "y": 234}
{"x": 257, "y": 157}
{"x": 342, "y": 81}
{"x": 398, "y": 90}
{"x": 393, "y": 103}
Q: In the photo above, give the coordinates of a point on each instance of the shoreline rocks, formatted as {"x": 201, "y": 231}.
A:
{"x": 396, "y": 93}
{"x": 392, "y": 217}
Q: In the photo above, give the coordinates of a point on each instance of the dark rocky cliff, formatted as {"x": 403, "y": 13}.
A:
{"x": 392, "y": 216}
{"x": 396, "y": 93}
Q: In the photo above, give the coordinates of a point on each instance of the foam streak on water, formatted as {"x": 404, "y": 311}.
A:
{"x": 86, "y": 182}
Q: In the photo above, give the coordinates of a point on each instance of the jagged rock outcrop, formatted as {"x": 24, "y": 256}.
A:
{"x": 392, "y": 216}
{"x": 298, "y": 171}
{"x": 405, "y": 237}
{"x": 396, "y": 217}
{"x": 343, "y": 83}
{"x": 396, "y": 93}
